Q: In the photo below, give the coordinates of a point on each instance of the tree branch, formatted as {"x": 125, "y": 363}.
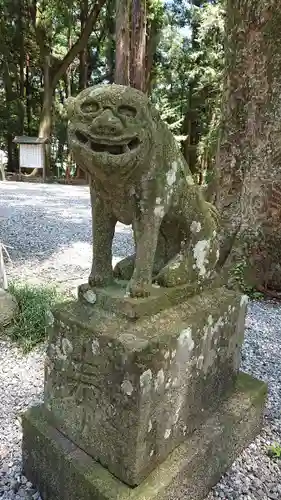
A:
{"x": 81, "y": 43}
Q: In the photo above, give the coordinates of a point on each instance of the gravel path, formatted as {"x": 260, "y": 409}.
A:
{"x": 49, "y": 228}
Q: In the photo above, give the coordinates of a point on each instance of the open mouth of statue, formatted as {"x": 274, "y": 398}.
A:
{"x": 119, "y": 148}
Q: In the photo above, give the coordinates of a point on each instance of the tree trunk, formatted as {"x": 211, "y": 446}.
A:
{"x": 190, "y": 129}
{"x": 28, "y": 97}
{"x": 138, "y": 45}
{"x": 191, "y": 124}
{"x": 152, "y": 39}
{"x": 83, "y": 67}
{"x": 9, "y": 97}
{"x": 122, "y": 62}
{"x": 249, "y": 160}
{"x": 45, "y": 124}
{"x": 110, "y": 27}
{"x": 20, "y": 37}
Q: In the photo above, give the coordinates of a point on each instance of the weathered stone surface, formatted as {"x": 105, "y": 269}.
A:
{"x": 115, "y": 298}
{"x": 8, "y": 308}
{"x": 139, "y": 177}
{"x": 65, "y": 472}
{"x": 128, "y": 392}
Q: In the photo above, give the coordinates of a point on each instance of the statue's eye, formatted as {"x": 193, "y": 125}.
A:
{"x": 127, "y": 111}
{"x": 89, "y": 107}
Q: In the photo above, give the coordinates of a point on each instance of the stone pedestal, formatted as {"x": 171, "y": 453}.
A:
{"x": 154, "y": 400}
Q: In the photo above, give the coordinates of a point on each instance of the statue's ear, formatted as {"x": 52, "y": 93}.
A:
{"x": 69, "y": 107}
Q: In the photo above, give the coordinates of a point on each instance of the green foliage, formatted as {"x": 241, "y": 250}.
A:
{"x": 186, "y": 76}
{"x": 189, "y": 75}
{"x": 29, "y": 328}
{"x": 274, "y": 451}
{"x": 238, "y": 275}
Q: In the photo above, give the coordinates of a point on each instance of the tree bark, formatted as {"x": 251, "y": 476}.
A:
{"x": 191, "y": 130}
{"x": 20, "y": 33}
{"x": 9, "y": 97}
{"x": 138, "y": 45}
{"x": 110, "y": 27}
{"x": 152, "y": 39}
{"x": 122, "y": 61}
{"x": 249, "y": 160}
{"x": 83, "y": 67}
{"x": 191, "y": 124}
{"x": 28, "y": 97}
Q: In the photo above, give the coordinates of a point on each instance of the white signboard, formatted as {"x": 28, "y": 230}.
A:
{"x": 31, "y": 156}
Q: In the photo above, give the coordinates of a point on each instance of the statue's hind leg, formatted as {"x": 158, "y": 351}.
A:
{"x": 196, "y": 261}
{"x": 124, "y": 268}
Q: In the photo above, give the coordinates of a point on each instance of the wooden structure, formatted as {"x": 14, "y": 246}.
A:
{"x": 32, "y": 153}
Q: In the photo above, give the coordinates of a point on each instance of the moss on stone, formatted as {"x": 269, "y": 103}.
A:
{"x": 140, "y": 177}
{"x": 61, "y": 470}
{"x": 247, "y": 384}
{"x": 109, "y": 379}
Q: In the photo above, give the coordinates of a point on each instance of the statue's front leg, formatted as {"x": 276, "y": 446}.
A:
{"x": 103, "y": 231}
{"x": 146, "y": 231}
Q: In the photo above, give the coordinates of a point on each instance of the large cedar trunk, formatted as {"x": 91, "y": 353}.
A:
{"x": 45, "y": 125}
{"x": 138, "y": 45}
{"x": 249, "y": 161}
{"x": 122, "y": 64}
{"x": 28, "y": 91}
{"x": 83, "y": 56}
{"x": 20, "y": 37}
{"x": 151, "y": 46}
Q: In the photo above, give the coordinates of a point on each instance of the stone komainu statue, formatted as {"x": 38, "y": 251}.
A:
{"x": 139, "y": 177}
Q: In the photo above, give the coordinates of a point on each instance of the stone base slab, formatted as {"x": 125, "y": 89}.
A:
{"x": 129, "y": 392}
{"x": 62, "y": 471}
{"x": 115, "y": 299}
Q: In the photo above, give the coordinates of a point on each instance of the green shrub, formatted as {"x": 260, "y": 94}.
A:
{"x": 29, "y": 328}
{"x": 274, "y": 451}
{"x": 238, "y": 276}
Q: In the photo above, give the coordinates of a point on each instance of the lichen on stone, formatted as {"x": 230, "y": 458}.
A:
{"x": 140, "y": 177}
{"x": 146, "y": 380}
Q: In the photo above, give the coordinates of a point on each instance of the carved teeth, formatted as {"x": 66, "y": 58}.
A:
{"x": 114, "y": 149}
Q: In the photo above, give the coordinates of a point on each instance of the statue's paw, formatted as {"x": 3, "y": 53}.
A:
{"x": 175, "y": 275}
{"x": 125, "y": 268}
{"x": 139, "y": 288}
